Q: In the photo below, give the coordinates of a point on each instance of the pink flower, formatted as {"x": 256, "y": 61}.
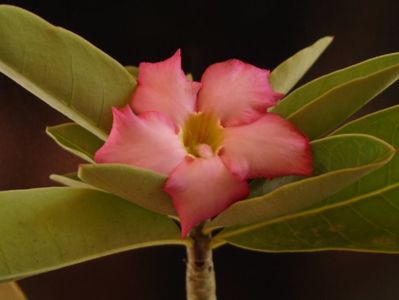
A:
{"x": 207, "y": 137}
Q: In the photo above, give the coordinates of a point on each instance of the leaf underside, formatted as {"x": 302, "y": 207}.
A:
{"x": 76, "y": 140}
{"x": 62, "y": 69}
{"x": 71, "y": 180}
{"x": 287, "y": 74}
{"x": 49, "y": 228}
{"x": 140, "y": 186}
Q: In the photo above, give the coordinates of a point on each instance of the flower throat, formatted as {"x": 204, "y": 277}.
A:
{"x": 202, "y": 135}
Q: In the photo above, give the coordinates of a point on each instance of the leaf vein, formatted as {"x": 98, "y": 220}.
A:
{"x": 72, "y": 95}
{"x": 389, "y": 202}
{"x": 8, "y": 267}
{"x": 295, "y": 235}
{"x": 372, "y": 223}
{"x": 336, "y": 230}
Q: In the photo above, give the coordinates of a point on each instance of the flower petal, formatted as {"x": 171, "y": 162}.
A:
{"x": 202, "y": 188}
{"x": 164, "y": 87}
{"x": 269, "y": 147}
{"x": 148, "y": 141}
{"x": 237, "y": 92}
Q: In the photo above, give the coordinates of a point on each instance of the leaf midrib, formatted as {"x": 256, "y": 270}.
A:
{"x": 332, "y": 90}
{"x": 124, "y": 194}
{"x": 310, "y": 212}
{"x": 43, "y": 93}
{"x": 334, "y": 73}
{"x": 88, "y": 156}
{"x": 371, "y": 165}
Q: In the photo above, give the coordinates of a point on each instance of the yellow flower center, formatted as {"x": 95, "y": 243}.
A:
{"x": 202, "y": 135}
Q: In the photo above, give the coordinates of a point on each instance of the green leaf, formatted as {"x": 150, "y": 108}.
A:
{"x": 308, "y": 92}
{"x": 362, "y": 217}
{"x": 49, "y": 228}
{"x": 71, "y": 180}
{"x": 62, "y": 69}
{"x": 133, "y": 70}
{"x": 384, "y": 125}
{"x": 11, "y": 291}
{"x": 140, "y": 186}
{"x": 338, "y": 162}
{"x": 366, "y": 223}
{"x": 286, "y": 75}
{"x": 324, "y": 103}
{"x": 76, "y": 140}
{"x": 260, "y": 186}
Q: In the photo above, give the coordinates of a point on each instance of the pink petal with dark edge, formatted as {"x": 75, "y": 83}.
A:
{"x": 269, "y": 147}
{"x": 164, "y": 87}
{"x": 148, "y": 141}
{"x": 237, "y": 92}
{"x": 201, "y": 189}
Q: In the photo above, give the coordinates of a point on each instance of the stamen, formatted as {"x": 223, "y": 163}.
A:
{"x": 204, "y": 151}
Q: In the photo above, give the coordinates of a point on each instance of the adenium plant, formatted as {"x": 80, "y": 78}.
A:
{"x": 235, "y": 158}
{"x": 209, "y": 138}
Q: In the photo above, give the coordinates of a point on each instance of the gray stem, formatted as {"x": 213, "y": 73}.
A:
{"x": 200, "y": 276}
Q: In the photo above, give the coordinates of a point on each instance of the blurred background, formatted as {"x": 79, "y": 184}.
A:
{"x": 260, "y": 32}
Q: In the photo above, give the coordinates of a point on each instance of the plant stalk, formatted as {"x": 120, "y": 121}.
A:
{"x": 200, "y": 276}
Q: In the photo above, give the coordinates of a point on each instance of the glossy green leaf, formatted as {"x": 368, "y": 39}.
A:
{"x": 75, "y": 139}
{"x": 308, "y": 92}
{"x": 384, "y": 125}
{"x": 140, "y": 186}
{"x": 366, "y": 223}
{"x": 11, "y": 291}
{"x": 286, "y": 75}
{"x": 62, "y": 69}
{"x": 71, "y": 180}
{"x": 362, "y": 217}
{"x": 49, "y": 228}
{"x": 321, "y": 105}
{"x": 338, "y": 162}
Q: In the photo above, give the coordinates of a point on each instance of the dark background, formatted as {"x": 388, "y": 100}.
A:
{"x": 262, "y": 33}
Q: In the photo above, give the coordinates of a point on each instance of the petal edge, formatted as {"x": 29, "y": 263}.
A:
{"x": 148, "y": 141}
{"x": 269, "y": 147}
{"x": 163, "y": 86}
{"x": 201, "y": 189}
{"x": 237, "y": 92}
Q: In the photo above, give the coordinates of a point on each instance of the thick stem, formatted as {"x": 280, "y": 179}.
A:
{"x": 200, "y": 276}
